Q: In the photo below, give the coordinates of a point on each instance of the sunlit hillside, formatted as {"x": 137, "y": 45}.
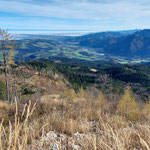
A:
{"x": 51, "y": 115}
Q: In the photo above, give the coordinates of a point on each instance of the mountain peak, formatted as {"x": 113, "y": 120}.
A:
{"x": 145, "y": 32}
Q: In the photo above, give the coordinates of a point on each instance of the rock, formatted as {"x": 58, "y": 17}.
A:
{"x": 51, "y": 134}
{"x": 76, "y": 134}
{"x": 75, "y": 147}
{"x": 54, "y": 147}
{"x": 62, "y": 137}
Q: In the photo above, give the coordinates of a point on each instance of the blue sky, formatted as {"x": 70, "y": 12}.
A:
{"x": 93, "y": 15}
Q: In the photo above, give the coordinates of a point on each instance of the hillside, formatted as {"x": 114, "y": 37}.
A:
{"x": 34, "y": 82}
{"x": 135, "y": 45}
{"x": 100, "y": 36}
{"x": 49, "y": 114}
{"x": 117, "y": 44}
{"x": 110, "y": 78}
{"x": 89, "y": 105}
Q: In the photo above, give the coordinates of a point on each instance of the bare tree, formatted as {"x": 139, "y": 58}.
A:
{"x": 6, "y": 46}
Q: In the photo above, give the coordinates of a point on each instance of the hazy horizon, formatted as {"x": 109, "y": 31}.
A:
{"x": 50, "y": 32}
{"x": 58, "y": 32}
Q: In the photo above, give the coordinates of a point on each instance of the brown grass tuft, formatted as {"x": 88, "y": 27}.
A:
{"x": 66, "y": 124}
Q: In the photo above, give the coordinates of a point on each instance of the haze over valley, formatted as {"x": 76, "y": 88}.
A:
{"x": 129, "y": 46}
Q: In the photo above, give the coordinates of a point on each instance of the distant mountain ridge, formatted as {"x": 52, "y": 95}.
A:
{"x": 119, "y": 45}
{"x": 134, "y": 45}
{"x": 101, "y": 35}
{"x": 123, "y": 43}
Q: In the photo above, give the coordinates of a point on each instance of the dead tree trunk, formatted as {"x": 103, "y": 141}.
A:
{"x": 6, "y": 47}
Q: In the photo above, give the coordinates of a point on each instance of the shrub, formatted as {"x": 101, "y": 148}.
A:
{"x": 81, "y": 93}
{"x": 128, "y": 107}
{"x": 26, "y": 91}
{"x": 146, "y": 109}
{"x": 72, "y": 95}
{"x": 100, "y": 99}
{"x": 2, "y": 91}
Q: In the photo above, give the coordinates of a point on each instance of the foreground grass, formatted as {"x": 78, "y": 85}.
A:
{"x": 84, "y": 123}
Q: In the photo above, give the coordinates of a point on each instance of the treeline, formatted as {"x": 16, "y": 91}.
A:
{"x": 107, "y": 76}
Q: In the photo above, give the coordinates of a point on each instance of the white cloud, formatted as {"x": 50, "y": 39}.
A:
{"x": 77, "y": 9}
{"x": 99, "y": 12}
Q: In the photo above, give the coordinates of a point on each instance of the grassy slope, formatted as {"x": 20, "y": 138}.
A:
{"x": 69, "y": 122}
{"x": 59, "y": 116}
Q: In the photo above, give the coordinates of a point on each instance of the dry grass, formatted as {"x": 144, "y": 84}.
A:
{"x": 15, "y": 135}
{"x": 87, "y": 124}
{"x": 4, "y": 105}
